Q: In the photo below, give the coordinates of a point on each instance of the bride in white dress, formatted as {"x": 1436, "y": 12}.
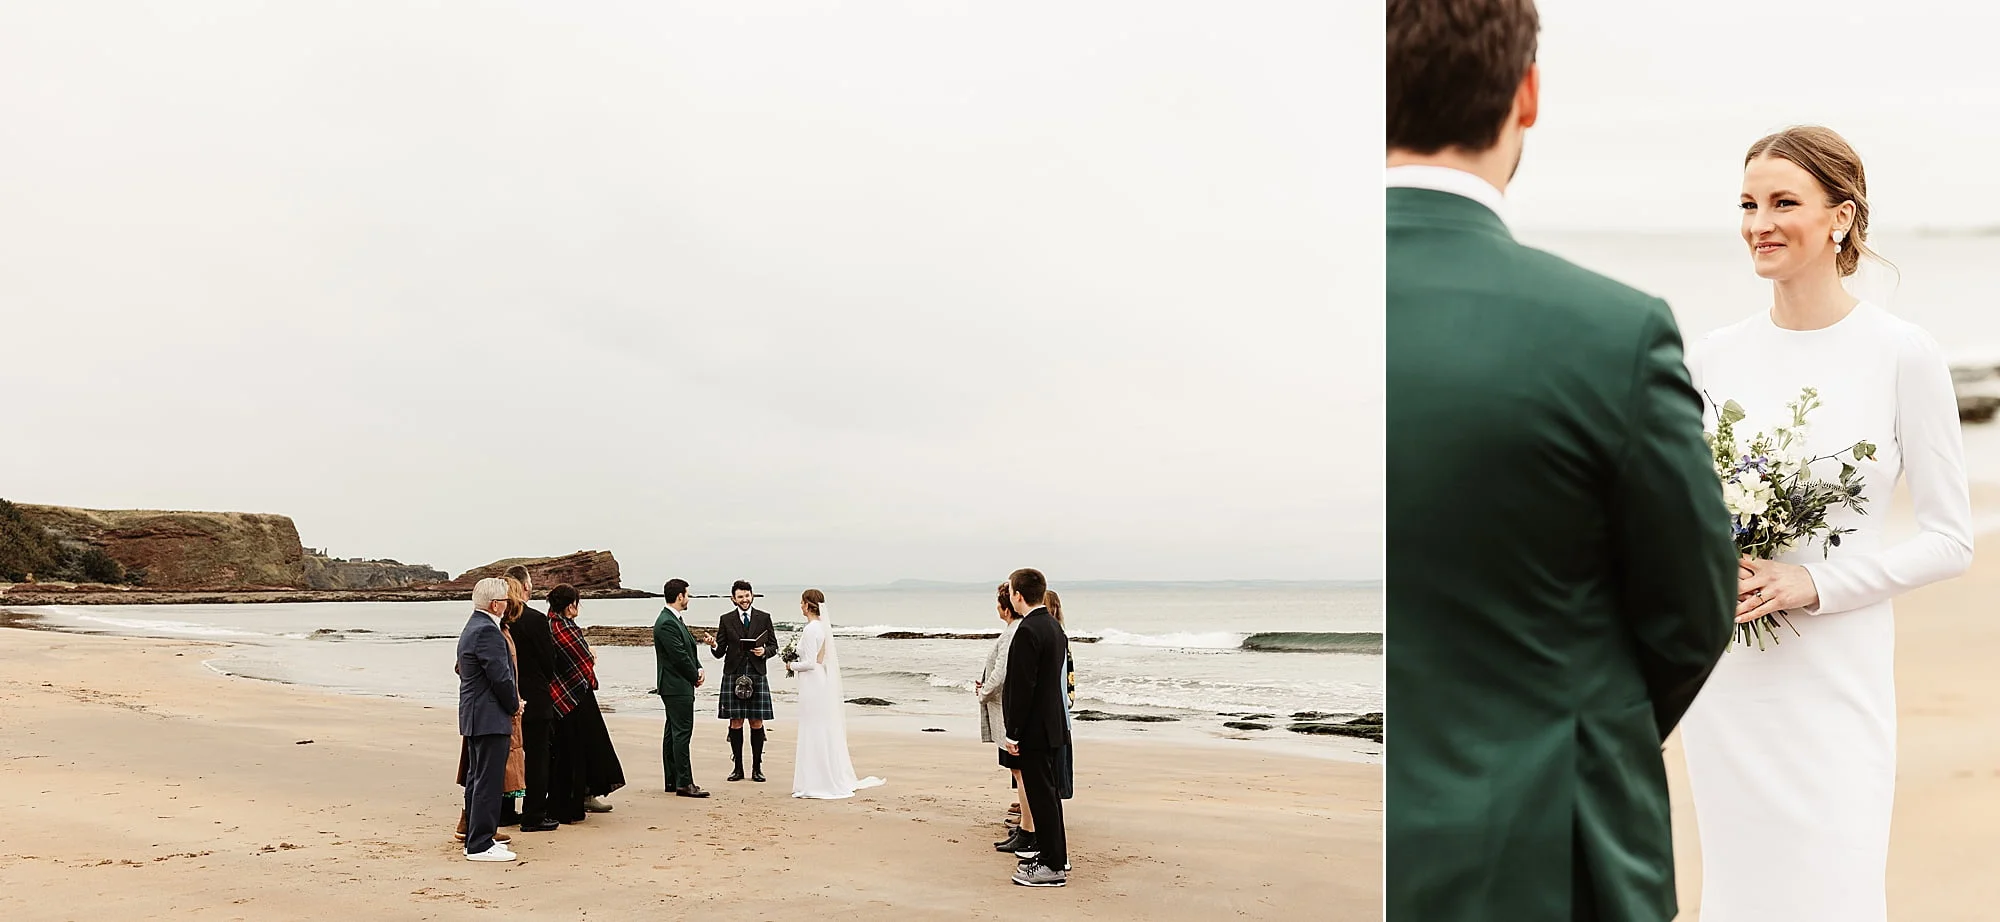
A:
{"x": 1791, "y": 750}
{"x": 823, "y": 769}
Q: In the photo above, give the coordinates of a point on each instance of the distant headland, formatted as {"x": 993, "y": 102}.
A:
{"x": 58, "y": 555}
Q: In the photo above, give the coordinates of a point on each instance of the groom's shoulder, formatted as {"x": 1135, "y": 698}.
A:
{"x": 1569, "y": 281}
{"x": 1591, "y": 301}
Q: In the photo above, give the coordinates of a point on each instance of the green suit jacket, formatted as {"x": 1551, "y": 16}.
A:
{"x": 676, "y": 667}
{"x": 1561, "y": 577}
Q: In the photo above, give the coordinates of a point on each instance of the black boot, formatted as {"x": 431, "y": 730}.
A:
{"x": 736, "y": 746}
{"x": 756, "y": 754}
{"x": 1013, "y": 838}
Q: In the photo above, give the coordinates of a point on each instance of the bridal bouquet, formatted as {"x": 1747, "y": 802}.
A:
{"x": 791, "y": 652}
{"x": 1775, "y": 502}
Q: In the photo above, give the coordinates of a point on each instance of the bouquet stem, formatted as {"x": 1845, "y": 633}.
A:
{"x": 1767, "y": 626}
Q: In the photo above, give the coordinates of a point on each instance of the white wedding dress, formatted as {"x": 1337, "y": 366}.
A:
{"x": 1791, "y": 750}
{"x": 823, "y": 770}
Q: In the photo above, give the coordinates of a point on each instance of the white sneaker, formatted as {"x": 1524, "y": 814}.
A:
{"x": 497, "y": 853}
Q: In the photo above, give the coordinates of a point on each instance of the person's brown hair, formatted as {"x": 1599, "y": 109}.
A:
{"x": 1007, "y": 602}
{"x": 518, "y": 572}
{"x": 813, "y": 599}
{"x": 1031, "y": 584}
{"x": 1831, "y": 162}
{"x": 1055, "y": 605}
{"x": 1454, "y": 68}
{"x": 517, "y": 599}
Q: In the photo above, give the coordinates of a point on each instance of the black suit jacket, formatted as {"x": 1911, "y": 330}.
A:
{"x": 736, "y": 658}
{"x": 1032, "y": 701}
{"x": 537, "y": 649}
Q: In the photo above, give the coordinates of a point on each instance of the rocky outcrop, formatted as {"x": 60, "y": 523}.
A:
{"x": 617, "y": 635}
{"x": 1367, "y": 727}
{"x": 186, "y": 550}
{"x": 33, "y": 594}
{"x": 1978, "y": 388}
{"x": 591, "y": 572}
{"x": 328, "y": 573}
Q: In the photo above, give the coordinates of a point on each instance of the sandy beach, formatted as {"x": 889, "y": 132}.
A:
{"x": 144, "y": 785}
{"x": 1946, "y": 828}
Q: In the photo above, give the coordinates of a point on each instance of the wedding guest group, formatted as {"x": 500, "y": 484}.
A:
{"x": 512, "y": 662}
{"x": 1035, "y": 728}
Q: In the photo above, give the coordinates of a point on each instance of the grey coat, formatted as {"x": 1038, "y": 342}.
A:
{"x": 488, "y": 694}
{"x": 992, "y": 721}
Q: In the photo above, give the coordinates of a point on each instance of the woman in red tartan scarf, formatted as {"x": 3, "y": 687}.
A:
{"x": 583, "y": 765}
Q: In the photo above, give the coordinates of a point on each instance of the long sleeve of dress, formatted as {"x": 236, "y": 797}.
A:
{"x": 1934, "y": 466}
{"x": 811, "y": 641}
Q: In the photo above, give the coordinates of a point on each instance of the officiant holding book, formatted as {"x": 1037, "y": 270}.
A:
{"x": 745, "y": 640}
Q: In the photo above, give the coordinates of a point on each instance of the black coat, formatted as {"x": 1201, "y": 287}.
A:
{"x": 1032, "y": 701}
{"x": 735, "y": 656}
{"x": 537, "y": 652}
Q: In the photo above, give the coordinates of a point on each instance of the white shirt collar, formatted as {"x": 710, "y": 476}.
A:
{"x": 496, "y": 618}
{"x": 1446, "y": 179}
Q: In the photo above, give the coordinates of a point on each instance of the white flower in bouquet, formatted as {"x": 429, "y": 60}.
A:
{"x": 1775, "y": 504}
{"x": 1746, "y": 499}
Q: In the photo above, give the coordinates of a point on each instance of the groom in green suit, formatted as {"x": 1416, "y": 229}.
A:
{"x": 1561, "y": 577}
{"x": 677, "y": 669}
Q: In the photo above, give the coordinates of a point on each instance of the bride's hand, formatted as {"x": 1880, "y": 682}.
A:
{"x": 1767, "y": 587}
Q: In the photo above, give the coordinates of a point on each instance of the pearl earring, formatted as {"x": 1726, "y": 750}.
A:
{"x": 1838, "y": 236}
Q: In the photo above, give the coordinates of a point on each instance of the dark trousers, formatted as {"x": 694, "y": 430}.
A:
{"x": 485, "y": 771}
{"x": 1038, "y": 785}
{"x": 536, "y": 737}
{"x": 676, "y": 744}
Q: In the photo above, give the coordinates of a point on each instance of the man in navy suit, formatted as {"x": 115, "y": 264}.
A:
{"x": 489, "y": 697}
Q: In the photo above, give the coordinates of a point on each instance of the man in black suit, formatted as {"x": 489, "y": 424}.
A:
{"x": 1032, "y": 707}
{"x": 537, "y": 653}
{"x": 488, "y": 699}
{"x": 745, "y": 640}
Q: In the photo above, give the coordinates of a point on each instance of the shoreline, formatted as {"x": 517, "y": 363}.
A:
{"x": 1146, "y": 725}
{"x": 173, "y": 790}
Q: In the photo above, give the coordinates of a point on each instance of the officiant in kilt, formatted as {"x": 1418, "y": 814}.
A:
{"x": 745, "y": 641}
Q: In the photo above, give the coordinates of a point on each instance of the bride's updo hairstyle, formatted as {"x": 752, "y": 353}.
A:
{"x": 1827, "y": 156}
{"x": 813, "y": 599}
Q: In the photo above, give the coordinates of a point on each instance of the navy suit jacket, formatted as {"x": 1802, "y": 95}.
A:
{"x": 488, "y": 694}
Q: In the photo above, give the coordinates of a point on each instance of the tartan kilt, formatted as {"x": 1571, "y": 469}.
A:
{"x": 755, "y": 707}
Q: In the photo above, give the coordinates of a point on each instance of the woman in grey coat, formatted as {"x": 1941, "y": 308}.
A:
{"x": 993, "y": 721}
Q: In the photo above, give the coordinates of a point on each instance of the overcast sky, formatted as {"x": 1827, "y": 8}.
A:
{"x": 801, "y": 292}
{"x": 1648, "y": 108}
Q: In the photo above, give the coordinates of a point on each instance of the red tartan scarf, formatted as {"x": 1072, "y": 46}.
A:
{"x": 575, "y": 672}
